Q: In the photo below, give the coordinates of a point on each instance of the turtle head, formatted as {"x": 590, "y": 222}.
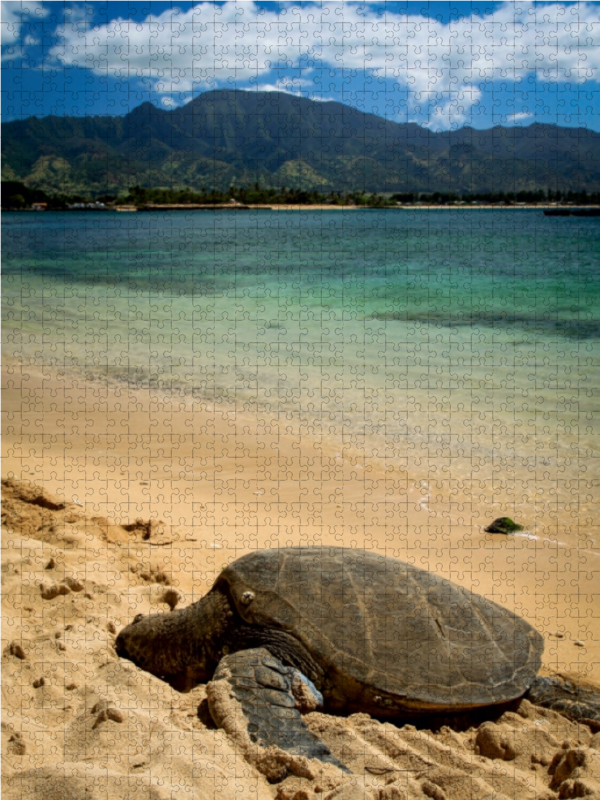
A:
{"x": 179, "y": 647}
{"x": 156, "y": 644}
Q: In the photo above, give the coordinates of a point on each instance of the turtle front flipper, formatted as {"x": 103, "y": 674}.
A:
{"x": 577, "y": 702}
{"x": 251, "y": 698}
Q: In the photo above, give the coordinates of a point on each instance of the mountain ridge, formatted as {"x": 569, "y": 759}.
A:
{"x": 233, "y": 137}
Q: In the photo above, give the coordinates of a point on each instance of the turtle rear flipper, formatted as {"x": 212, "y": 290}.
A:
{"x": 576, "y": 702}
{"x": 251, "y": 698}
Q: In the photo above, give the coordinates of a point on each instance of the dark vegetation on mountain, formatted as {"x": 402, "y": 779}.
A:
{"x": 235, "y": 138}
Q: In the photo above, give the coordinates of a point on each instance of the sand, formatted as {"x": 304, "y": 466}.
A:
{"x": 120, "y": 501}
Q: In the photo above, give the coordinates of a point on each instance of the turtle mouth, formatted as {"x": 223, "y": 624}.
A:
{"x": 131, "y": 645}
{"x": 123, "y": 651}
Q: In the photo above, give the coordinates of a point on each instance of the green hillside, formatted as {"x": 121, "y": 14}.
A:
{"x": 225, "y": 138}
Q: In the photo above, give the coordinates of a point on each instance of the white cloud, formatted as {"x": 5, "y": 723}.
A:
{"x": 10, "y": 22}
{"x": 286, "y": 85}
{"x": 271, "y": 87}
{"x": 13, "y": 15}
{"x": 443, "y": 65}
{"x": 454, "y": 113}
{"x": 519, "y": 117}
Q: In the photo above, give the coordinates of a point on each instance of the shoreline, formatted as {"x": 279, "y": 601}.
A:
{"x": 403, "y": 207}
{"x": 233, "y": 481}
{"x": 316, "y": 207}
{"x": 323, "y": 207}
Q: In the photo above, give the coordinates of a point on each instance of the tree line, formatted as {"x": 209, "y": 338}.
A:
{"x": 523, "y": 196}
{"x": 18, "y": 196}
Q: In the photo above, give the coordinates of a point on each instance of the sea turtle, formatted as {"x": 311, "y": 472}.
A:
{"x": 293, "y": 629}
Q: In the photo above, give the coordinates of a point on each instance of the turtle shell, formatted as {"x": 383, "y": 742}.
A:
{"x": 392, "y": 629}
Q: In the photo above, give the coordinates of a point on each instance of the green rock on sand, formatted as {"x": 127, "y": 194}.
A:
{"x": 504, "y": 525}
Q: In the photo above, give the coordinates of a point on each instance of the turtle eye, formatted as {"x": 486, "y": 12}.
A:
{"x": 137, "y": 618}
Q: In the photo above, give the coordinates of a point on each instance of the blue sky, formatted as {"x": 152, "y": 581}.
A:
{"x": 442, "y": 65}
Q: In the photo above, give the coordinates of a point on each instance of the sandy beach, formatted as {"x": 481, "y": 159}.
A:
{"x": 205, "y": 486}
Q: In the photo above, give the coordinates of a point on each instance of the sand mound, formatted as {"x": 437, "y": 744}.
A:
{"x": 78, "y": 722}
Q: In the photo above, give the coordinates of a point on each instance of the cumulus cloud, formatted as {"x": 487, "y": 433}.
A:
{"x": 523, "y": 115}
{"x": 10, "y": 24}
{"x": 453, "y": 113}
{"x": 444, "y": 66}
{"x": 15, "y": 14}
{"x": 271, "y": 87}
{"x": 293, "y": 86}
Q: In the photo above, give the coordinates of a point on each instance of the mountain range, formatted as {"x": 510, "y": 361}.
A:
{"x": 226, "y": 137}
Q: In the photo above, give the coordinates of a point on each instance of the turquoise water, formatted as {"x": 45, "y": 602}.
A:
{"x": 462, "y": 340}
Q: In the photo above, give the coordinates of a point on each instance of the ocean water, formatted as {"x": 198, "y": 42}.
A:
{"x": 461, "y": 345}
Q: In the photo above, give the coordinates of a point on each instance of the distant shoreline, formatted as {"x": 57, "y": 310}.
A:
{"x": 319, "y": 207}
{"x": 325, "y": 207}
